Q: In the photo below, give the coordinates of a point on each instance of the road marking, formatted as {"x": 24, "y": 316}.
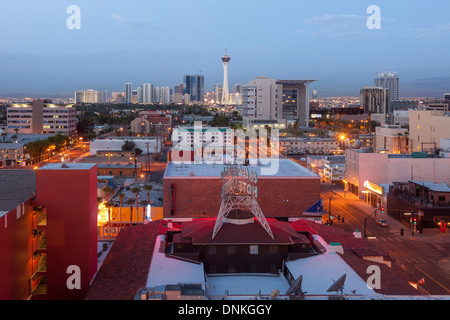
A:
{"x": 433, "y": 279}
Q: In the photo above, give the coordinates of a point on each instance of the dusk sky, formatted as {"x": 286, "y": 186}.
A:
{"x": 158, "y": 42}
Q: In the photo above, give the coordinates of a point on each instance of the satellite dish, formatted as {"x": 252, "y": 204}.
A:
{"x": 338, "y": 285}
{"x": 296, "y": 286}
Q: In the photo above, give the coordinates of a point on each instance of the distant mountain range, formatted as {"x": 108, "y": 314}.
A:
{"x": 19, "y": 95}
{"x": 429, "y": 87}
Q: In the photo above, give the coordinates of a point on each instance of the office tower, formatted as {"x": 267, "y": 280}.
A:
{"x": 225, "y": 95}
{"x": 194, "y": 87}
{"x": 374, "y": 100}
{"x": 147, "y": 93}
{"x": 294, "y": 100}
{"x": 237, "y": 88}
{"x": 40, "y": 117}
{"x": 274, "y": 102}
{"x": 447, "y": 97}
{"x": 91, "y": 96}
{"x": 128, "y": 92}
{"x": 389, "y": 81}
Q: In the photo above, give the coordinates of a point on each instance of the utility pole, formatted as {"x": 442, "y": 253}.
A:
{"x": 148, "y": 163}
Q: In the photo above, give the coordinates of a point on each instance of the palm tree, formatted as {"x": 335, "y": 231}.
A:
{"x": 108, "y": 191}
{"x": 109, "y": 205}
{"x": 4, "y": 134}
{"x": 148, "y": 188}
{"x": 121, "y": 197}
{"x": 144, "y": 204}
{"x": 130, "y": 202}
{"x": 136, "y": 191}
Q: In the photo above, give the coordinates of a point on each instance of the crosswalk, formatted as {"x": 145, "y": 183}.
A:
{"x": 426, "y": 253}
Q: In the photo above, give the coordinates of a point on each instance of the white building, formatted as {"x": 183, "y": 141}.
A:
{"x": 128, "y": 92}
{"x": 309, "y": 145}
{"x": 401, "y": 117}
{"x": 389, "y": 81}
{"x": 274, "y": 102}
{"x": 115, "y": 144}
{"x": 41, "y": 117}
{"x": 147, "y": 93}
{"x": 165, "y": 95}
{"x": 367, "y": 172}
{"x": 391, "y": 139}
{"x": 91, "y": 96}
{"x": 427, "y": 128}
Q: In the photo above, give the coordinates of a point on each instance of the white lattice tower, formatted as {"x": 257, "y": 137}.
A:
{"x": 242, "y": 202}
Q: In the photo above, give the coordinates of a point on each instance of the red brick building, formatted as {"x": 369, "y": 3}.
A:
{"x": 194, "y": 190}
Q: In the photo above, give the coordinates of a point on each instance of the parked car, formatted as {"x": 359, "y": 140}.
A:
{"x": 381, "y": 222}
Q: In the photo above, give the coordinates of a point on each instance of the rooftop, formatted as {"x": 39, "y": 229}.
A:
{"x": 286, "y": 168}
{"x": 16, "y": 186}
{"x": 443, "y": 187}
{"x": 68, "y": 166}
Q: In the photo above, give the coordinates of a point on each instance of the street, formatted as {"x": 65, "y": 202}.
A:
{"x": 419, "y": 256}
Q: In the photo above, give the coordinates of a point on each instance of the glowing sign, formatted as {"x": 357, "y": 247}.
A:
{"x": 373, "y": 187}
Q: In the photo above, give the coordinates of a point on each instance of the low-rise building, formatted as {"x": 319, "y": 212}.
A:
{"x": 308, "y": 145}
{"x": 391, "y": 139}
{"x": 368, "y": 173}
{"x": 427, "y": 128}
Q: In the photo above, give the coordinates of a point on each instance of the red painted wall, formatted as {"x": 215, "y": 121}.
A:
{"x": 16, "y": 253}
{"x": 70, "y": 197}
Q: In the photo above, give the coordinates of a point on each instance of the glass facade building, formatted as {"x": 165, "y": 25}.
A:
{"x": 194, "y": 86}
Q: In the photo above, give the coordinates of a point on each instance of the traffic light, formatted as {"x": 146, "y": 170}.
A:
{"x": 415, "y": 220}
{"x": 382, "y": 209}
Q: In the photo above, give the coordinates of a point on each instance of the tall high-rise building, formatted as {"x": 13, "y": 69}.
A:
{"x": 237, "y": 88}
{"x": 389, "y": 81}
{"x": 194, "y": 87}
{"x": 447, "y": 97}
{"x": 273, "y": 102}
{"x": 218, "y": 93}
{"x": 139, "y": 95}
{"x": 165, "y": 95}
{"x": 147, "y": 93}
{"x": 374, "y": 100}
{"x": 128, "y": 92}
{"x": 225, "y": 95}
{"x": 91, "y": 96}
{"x": 156, "y": 95}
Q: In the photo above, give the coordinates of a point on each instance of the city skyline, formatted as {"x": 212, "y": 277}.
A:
{"x": 324, "y": 43}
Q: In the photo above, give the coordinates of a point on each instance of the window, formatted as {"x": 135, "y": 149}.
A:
{"x": 254, "y": 249}
{"x": 212, "y": 250}
{"x": 231, "y": 249}
{"x": 273, "y": 249}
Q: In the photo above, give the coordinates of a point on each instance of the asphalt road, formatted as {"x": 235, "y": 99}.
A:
{"x": 415, "y": 257}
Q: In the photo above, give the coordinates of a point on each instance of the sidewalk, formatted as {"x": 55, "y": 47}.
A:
{"x": 430, "y": 235}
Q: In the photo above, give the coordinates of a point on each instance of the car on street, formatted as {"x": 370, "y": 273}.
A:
{"x": 381, "y": 222}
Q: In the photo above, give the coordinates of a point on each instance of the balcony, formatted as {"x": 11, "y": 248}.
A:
{"x": 39, "y": 218}
{"x": 39, "y": 264}
{"x": 38, "y": 285}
